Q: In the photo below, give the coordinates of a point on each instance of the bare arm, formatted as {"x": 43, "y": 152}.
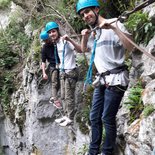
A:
{"x": 76, "y": 45}
{"x": 43, "y": 66}
{"x": 124, "y": 40}
{"x": 122, "y": 36}
{"x": 85, "y": 35}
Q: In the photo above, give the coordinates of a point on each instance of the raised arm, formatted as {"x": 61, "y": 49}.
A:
{"x": 85, "y": 35}
{"x": 43, "y": 66}
{"x": 122, "y": 36}
{"x": 76, "y": 45}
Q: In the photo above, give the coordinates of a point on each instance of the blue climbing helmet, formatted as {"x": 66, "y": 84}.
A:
{"x": 82, "y": 4}
{"x": 44, "y": 35}
{"x": 51, "y": 25}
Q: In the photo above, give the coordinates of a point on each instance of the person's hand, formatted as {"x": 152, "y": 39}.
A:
{"x": 65, "y": 37}
{"x": 45, "y": 77}
{"x": 105, "y": 25}
{"x": 85, "y": 33}
{"x": 57, "y": 66}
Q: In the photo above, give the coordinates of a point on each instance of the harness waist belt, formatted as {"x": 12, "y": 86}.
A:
{"x": 114, "y": 71}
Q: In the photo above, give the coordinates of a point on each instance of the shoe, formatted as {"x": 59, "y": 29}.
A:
{"x": 60, "y": 120}
{"x": 66, "y": 122}
{"x": 51, "y": 100}
{"x": 57, "y": 104}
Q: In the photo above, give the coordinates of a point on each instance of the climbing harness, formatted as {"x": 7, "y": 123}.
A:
{"x": 116, "y": 70}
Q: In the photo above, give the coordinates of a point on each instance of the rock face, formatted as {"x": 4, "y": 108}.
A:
{"x": 34, "y": 132}
{"x": 138, "y": 137}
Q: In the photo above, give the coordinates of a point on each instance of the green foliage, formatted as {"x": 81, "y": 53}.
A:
{"x": 1, "y": 151}
{"x": 37, "y": 49}
{"x": 8, "y": 57}
{"x": 16, "y": 33}
{"x": 111, "y": 8}
{"x": 128, "y": 62}
{"x": 148, "y": 110}
{"x": 141, "y": 27}
{"x": 83, "y": 114}
{"x": 13, "y": 46}
{"x": 83, "y": 150}
{"x": 6, "y": 89}
{"x": 4, "y": 3}
{"x": 39, "y": 21}
{"x": 70, "y": 13}
{"x": 134, "y": 103}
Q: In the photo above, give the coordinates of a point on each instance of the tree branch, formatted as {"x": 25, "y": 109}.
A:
{"x": 63, "y": 17}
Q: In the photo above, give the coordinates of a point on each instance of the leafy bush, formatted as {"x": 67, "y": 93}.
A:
{"x": 83, "y": 149}
{"x": 83, "y": 114}
{"x": 13, "y": 46}
{"x": 4, "y": 3}
{"x": 6, "y": 89}
{"x": 134, "y": 103}
{"x": 148, "y": 110}
{"x": 141, "y": 27}
{"x": 17, "y": 35}
{"x": 7, "y": 56}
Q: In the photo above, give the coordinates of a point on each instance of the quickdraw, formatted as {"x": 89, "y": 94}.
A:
{"x": 126, "y": 14}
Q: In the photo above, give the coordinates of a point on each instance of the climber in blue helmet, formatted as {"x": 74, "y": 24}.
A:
{"x": 51, "y": 25}
{"x": 44, "y": 35}
{"x": 108, "y": 46}
{"x": 90, "y": 4}
{"x": 49, "y": 53}
{"x": 66, "y": 48}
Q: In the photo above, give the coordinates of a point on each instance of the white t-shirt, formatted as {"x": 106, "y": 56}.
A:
{"x": 69, "y": 56}
{"x": 109, "y": 54}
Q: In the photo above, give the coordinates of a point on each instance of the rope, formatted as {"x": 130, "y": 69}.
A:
{"x": 63, "y": 57}
{"x": 134, "y": 44}
{"x": 126, "y": 14}
{"x": 90, "y": 69}
{"x": 55, "y": 53}
{"x": 79, "y": 35}
{"x": 89, "y": 73}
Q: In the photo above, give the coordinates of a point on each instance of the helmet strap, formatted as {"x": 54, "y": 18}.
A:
{"x": 96, "y": 20}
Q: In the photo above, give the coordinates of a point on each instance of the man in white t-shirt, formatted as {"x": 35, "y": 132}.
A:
{"x": 108, "y": 54}
{"x": 68, "y": 72}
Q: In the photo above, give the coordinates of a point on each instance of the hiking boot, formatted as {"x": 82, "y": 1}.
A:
{"x": 57, "y": 104}
{"x": 60, "y": 120}
{"x": 66, "y": 122}
{"x": 51, "y": 100}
